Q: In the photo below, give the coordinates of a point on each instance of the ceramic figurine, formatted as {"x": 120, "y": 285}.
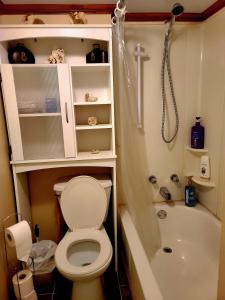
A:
{"x": 78, "y": 17}
{"x": 31, "y": 19}
{"x": 57, "y": 56}
{"x": 20, "y": 55}
{"x": 89, "y": 98}
{"x": 92, "y": 121}
{"x": 95, "y": 151}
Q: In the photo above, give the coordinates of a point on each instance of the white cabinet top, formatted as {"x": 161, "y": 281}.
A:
{"x": 87, "y": 31}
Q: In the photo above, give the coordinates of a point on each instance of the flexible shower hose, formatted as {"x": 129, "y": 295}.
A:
{"x": 166, "y": 66}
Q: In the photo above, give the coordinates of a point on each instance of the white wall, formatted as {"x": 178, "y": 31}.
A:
{"x": 164, "y": 160}
{"x": 213, "y": 106}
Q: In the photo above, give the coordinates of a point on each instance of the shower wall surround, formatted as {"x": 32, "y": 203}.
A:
{"x": 163, "y": 159}
{"x": 198, "y": 69}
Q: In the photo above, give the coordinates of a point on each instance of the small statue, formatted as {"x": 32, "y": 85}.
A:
{"x": 57, "y": 56}
{"x": 31, "y": 19}
{"x": 78, "y": 17}
{"x": 95, "y": 151}
{"x": 89, "y": 98}
{"x": 92, "y": 121}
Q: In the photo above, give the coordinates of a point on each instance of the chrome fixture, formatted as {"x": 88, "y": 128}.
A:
{"x": 176, "y": 10}
{"x": 174, "y": 178}
{"x": 165, "y": 193}
{"x": 162, "y": 214}
{"x": 152, "y": 179}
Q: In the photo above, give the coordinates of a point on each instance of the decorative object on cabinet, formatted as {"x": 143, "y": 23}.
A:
{"x": 92, "y": 121}
{"x": 57, "y": 56}
{"x": 95, "y": 151}
{"x": 78, "y": 17}
{"x": 31, "y": 19}
{"x": 94, "y": 56}
{"x": 51, "y": 105}
{"x": 20, "y": 55}
{"x": 90, "y": 98}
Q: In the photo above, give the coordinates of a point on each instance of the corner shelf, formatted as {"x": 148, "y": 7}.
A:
{"x": 203, "y": 182}
{"x": 196, "y": 151}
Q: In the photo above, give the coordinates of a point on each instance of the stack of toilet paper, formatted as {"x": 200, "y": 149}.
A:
{"x": 23, "y": 285}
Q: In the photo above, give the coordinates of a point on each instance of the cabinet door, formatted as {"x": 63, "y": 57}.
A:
{"x": 39, "y": 115}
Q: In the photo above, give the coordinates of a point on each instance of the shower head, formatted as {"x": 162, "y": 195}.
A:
{"x": 177, "y": 9}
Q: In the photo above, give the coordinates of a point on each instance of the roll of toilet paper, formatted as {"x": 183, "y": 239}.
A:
{"x": 19, "y": 236}
{"x": 31, "y": 296}
{"x": 23, "y": 284}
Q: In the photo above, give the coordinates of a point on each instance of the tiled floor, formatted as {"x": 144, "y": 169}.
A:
{"x": 116, "y": 286}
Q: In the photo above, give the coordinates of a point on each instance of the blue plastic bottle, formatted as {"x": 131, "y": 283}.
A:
{"x": 197, "y": 135}
{"x": 190, "y": 195}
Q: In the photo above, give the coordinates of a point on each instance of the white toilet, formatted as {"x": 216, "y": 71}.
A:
{"x": 85, "y": 252}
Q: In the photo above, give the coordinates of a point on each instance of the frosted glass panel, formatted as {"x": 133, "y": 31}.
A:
{"x": 37, "y": 89}
{"x": 42, "y": 137}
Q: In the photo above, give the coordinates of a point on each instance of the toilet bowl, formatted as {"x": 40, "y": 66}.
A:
{"x": 85, "y": 252}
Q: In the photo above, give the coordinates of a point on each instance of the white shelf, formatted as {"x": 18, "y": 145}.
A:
{"x": 90, "y": 67}
{"x": 100, "y": 155}
{"x": 89, "y": 127}
{"x": 39, "y": 115}
{"x": 92, "y": 103}
{"x": 202, "y": 182}
{"x": 196, "y": 151}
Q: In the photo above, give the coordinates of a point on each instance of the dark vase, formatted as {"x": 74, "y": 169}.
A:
{"x": 95, "y": 55}
{"x": 20, "y": 55}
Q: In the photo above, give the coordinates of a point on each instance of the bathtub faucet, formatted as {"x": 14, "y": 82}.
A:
{"x": 165, "y": 193}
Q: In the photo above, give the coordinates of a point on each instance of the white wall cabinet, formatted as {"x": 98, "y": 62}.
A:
{"x": 47, "y": 113}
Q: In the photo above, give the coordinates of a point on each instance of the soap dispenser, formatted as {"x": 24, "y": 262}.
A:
{"x": 190, "y": 195}
{"x": 205, "y": 167}
{"x": 197, "y": 135}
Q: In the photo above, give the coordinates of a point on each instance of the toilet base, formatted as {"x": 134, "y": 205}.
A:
{"x": 91, "y": 290}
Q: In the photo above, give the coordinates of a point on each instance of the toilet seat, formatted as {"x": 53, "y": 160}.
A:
{"x": 105, "y": 253}
{"x": 83, "y": 203}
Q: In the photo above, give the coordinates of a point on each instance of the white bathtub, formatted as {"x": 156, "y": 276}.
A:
{"x": 190, "y": 271}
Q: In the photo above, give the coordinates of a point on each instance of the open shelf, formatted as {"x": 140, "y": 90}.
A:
{"x": 89, "y": 67}
{"x": 203, "y": 182}
{"x": 196, "y": 151}
{"x": 93, "y": 80}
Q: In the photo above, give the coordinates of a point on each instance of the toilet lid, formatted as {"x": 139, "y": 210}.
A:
{"x": 83, "y": 203}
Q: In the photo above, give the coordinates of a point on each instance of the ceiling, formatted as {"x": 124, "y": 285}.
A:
{"x": 191, "y": 6}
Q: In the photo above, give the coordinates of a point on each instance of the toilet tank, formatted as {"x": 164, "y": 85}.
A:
{"x": 104, "y": 181}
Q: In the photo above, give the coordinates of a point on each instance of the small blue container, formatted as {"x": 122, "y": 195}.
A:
{"x": 51, "y": 105}
{"x": 190, "y": 196}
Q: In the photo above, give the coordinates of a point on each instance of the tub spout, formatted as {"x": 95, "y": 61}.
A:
{"x": 165, "y": 193}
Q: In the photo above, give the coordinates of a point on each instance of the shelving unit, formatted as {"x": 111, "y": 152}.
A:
{"x": 47, "y": 114}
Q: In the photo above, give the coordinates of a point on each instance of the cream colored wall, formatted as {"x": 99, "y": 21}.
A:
{"x": 213, "y": 107}
{"x": 164, "y": 160}
{"x": 6, "y": 202}
{"x": 57, "y": 19}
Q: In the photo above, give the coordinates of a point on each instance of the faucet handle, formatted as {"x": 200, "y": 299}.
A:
{"x": 174, "y": 178}
{"x": 152, "y": 179}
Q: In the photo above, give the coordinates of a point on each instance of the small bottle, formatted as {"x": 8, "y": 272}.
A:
{"x": 190, "y": 195}
{"x": 205, "y": 167}
{"x": 95, "y": 55}
{"x": 197, "y": 135}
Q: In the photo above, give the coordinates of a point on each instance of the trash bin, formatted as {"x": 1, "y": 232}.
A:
{"x": 42, "y": 265}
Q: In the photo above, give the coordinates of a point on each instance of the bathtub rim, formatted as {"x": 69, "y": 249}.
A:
{"x": 148, "y": 282}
